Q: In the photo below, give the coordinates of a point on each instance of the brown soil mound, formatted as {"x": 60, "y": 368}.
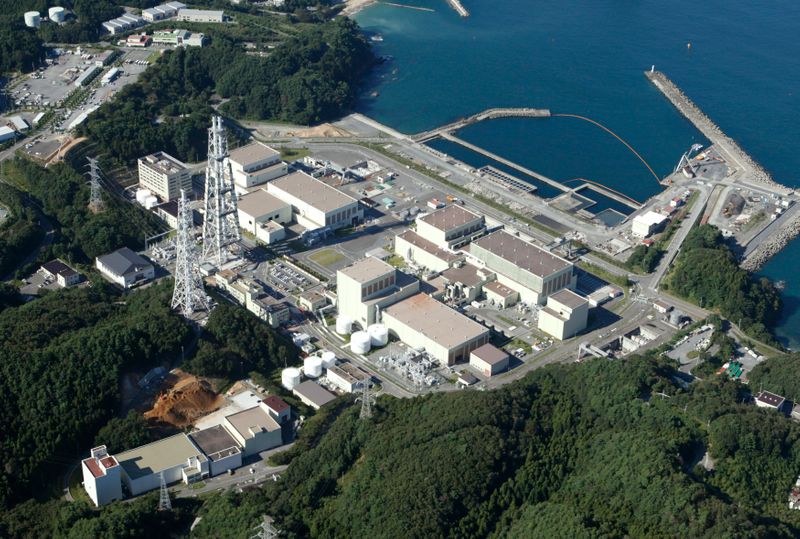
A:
{"x": 322, "y": 130}
{"x": 184, "y": 399}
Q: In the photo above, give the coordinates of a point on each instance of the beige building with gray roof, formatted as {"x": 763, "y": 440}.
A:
{"x": 316, "y": 204}
{"x": 255, "y": 164}
{"x": 451, "y": 226}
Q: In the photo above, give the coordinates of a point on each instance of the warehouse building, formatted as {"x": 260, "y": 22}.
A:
{"x": 422, "y": 322}
{"x": 220, "y": 447}
{"x": 164, "y": 176}
{"x": 176, "y": 457}
{"x": 565, "y": 315}
{"x": 369, "y": 285}
{"x": 347, "y": 377}
{"x": 489, "y": 360}
{"x": 125, "y": 268}
{"x": 533, "y": 272}
{"x": 123, "y": 23}
{"x": 254, "y": 429}
{"x": 200, "y": 15}
{"x": 316, "y": 204}
{"x": 450, "y": 227}
{"x": 648, "y": 223}
{"x": 86, "y": 77}
{"x": 417, "y": 250}
{"x": 312, "y": 394}
{"x": 162, "y": 12}
{"x": 255, "y": 164}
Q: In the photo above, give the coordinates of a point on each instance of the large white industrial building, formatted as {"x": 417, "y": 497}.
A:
{"x": 162, "y": 12}
{"x": 256, "y": 163}
{"x": 263, "y": 215}
{"x": 647, "y": 223}
{"x": 422, "y": 252}
{"x": 530, "y": 270}
{"x": 370, "y": 285}
{"x": 450, "y": 227}
{"x": 565, "y": 315}
{"x": 183, "y": 457}
{"x": 125, "y": 268}
{"x": 164, "y": 175}
{"x": 201, "y": 15}
{"x": 316, "y": 204}
{"x": 423, "y": 322}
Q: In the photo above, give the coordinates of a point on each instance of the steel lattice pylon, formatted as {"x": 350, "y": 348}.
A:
{"x": 367, "y": 400}
{"x": 96, "y": 203}
{"x": 221, "y": 223}
{"x": 266, "y": 530}
{"x": 188, "y": 295}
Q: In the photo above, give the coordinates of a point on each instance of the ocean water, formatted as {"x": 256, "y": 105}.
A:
{"x": 587, "y": 58}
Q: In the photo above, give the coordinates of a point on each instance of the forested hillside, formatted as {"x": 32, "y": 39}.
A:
{"x": 60, "y": 362}
{"x": 602, "y": 449}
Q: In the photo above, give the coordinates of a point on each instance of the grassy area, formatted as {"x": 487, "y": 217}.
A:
{"x": 507, "y": 320}
{"x": 154, "y": 56}
{"x": 198, "y": 485}
{"x": 326, "y": 257}
{"x": 619, "y": 280}
{"x": 397, "y": 261}
{"x": 293, "y": 154}
{"x": 519, "y": 343}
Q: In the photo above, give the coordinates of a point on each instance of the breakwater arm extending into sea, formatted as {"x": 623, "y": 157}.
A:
{"x": 733, "y": 153}
{"x": 746, "y": 167}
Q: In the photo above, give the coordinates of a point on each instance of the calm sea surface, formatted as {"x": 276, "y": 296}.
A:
{"x": 587, "y": 58}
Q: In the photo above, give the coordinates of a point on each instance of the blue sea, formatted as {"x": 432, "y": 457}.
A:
{"x": 739, "y": 61}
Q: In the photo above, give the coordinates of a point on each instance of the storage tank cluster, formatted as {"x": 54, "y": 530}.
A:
{"x": 344, "y": 324}
{"x": 312, "y": 366}
{"x": 57, "y": 14}
{"x": 146, "y": 198}
{"x": 378, "y": 335}
{"x": 328, "y": 359}
{"x": 32, "y": 19}
{"x": 360, "y": 342}
{"x": 290, "y": 377}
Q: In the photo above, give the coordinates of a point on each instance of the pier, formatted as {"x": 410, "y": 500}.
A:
{"x": 488, "y": 114}
{"x": 418, "y": 8}
{"x": 460, "y": 9}
{"x": 503, "y": 160}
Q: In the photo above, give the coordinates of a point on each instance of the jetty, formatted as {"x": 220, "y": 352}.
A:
{"x": 460, "y": 9}
{"x": 418, "y": 8}
{"x": 488, "y": 114}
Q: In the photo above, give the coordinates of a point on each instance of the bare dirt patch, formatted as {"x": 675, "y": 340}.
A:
{"x": 183, "y": 399}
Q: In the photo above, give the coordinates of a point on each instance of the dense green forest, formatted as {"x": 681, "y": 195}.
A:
{"x": 706, "y": 272}
{"x": 20, "y": 232}
{"x": 309, "y": 78}
{"x": 60, "y": 361}
{"x": 63, "y": 195}
{"x": 589, "y": 450}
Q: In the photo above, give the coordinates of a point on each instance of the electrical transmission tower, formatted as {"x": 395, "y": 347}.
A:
{"x": 221, "y": 224}
{"x": 164, "y": 503}
{"x": 367, "y": 400}
{"x": 266, "y": 530}
{"x": 96, "y": 203}
{"x": 188, "y": 295}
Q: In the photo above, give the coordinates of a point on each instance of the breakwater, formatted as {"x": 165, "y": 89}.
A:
{"x": 488, "y": 114}
{"x": 731, "y": 151}
{"x": 460, "y": 9}
{"x": 772, "y": 245}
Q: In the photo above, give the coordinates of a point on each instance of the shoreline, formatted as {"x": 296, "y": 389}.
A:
{"x": 353, "y": 7}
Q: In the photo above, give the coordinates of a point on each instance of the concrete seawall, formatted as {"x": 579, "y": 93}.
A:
{"x": 772, "y": 245}
{"x": 731, "y": 150}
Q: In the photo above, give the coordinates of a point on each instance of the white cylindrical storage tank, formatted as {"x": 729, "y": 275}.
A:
{"x": 344, "y": 324}
{"x": 32, "y": 19}
{"x": 290, "y": 377}
{"x": 378, "y": 335}
{"x": 141, "y": 195}
{"x": 312, "y": 366}
{"x": 150, "y": 202}
{"x": 328, "y": 359}
{"x": 57, "y": 14}
{"x": 360, "y": 342}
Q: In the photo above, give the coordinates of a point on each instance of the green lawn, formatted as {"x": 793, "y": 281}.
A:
{"x": 293, "y": 154}
{"x": 396, "y": 261}
{"x": 326, "y": 257}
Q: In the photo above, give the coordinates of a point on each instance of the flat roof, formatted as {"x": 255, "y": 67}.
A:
{"x": 435, "y": 320}
{"x": 163, "y": 163}
{"x": 259, "y": 202}
{"x": 490, "y": 354}
{"x": 367, "y": 269}
{"x": 521, "y": 253}
{"x": 275, "y": 403}
{"x": 650, "y": 218}
{"x": 252, "y": 153}
{"x": 158, "y": 456}
{"x": 312, "y": 191}
{"x": 349, "y": 372}
{"x": 215, "y": 442}
{"x": 770, "y": 398}
{"x": 466, "y": 275}
{"x": 499, "y": 289}
{"x": 569, "y": 298}
{"x": 450, "y": 217}
{"x": 201, "y": 12}
{"x": 255, "y": 418}
{"x": 314, "y": 392}
{"x": 428, "y": 246}
{"x": 57, "y": 267}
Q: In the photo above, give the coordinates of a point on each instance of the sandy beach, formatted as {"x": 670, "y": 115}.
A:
{"x": 354, "y": 6}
